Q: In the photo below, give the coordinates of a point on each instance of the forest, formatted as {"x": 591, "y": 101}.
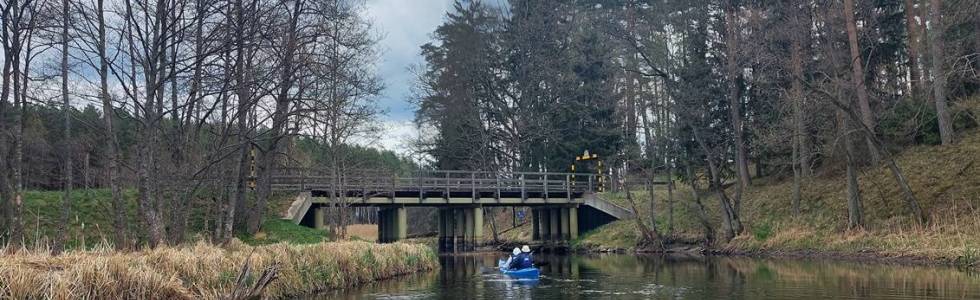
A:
{"x": 191, "y": 104}
{"x": 711, "y": 94}
{"x": 196, "y": 104}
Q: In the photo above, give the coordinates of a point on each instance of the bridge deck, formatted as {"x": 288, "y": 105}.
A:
{"x": 435, "y": 188}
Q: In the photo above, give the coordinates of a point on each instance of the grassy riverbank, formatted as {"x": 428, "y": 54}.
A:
{"x": 205, "y": 271}
{"x": 90, "y": 221}
{"x": 945, "y": 179}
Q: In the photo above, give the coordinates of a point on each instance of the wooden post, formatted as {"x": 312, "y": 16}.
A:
{"x": 568, "y": 187}
{"x": 302, "y": 180}
{"x": 496, "y": 177}
{"x": 447, "y": 187}
{"x": 545, "y": 177}
{"x": 473, "y": 186}
{"x": 523, "y": 190}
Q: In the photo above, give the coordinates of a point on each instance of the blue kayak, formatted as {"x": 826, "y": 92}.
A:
{"x": 531, "y": 272}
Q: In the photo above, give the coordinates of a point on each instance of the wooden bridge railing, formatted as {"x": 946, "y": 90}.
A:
{"x": 430, "y": 181}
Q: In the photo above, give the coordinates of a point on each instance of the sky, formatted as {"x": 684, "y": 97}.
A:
{"x": 405, "y": 25}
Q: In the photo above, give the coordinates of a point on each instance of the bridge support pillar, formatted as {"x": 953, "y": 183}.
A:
{"x": 320, "y": 217}
{"x": 441, "y": 239}
{"x": 392, "y": 224}
{"x": 573, "y": 222}
{"x": 469, "y": 231}
{"x": 565, "y": 233}
{"x": 401, "y": 223}
{"x": 544, "y": 224}
{"x": 477, "y": 239}
{"x": 535, "y": 229}
{"x": 460, "y": 229}
{"x": 383, "y": 224}
{"x": 555, "y": 223}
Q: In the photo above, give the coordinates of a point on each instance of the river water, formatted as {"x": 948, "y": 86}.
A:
{"x": 676, "y": 277}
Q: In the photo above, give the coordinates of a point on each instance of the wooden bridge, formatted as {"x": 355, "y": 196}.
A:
{"x": 563, "y": 204}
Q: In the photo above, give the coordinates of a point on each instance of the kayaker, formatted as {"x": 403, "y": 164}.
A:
{"x": 513, "y": 255}
{"x": 523, "y": 260}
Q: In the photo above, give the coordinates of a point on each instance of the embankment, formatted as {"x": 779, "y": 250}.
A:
{"x": 205, "y": 271}
{"x": 945, "y": 180}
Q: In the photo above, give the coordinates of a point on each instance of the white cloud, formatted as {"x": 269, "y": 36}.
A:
{"x": 407, "y": 25}
{"x": 395, "y": 135}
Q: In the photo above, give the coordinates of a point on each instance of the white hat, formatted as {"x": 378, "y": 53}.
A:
{"x": 517, "y": 251}
{"x": 526, "y": 248}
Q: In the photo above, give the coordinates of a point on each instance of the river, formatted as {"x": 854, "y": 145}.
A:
{"x": 675, "y": 277}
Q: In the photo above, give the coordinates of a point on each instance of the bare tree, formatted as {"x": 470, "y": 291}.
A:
{"x": 280, "y": 115}
{"x": 734, "y": 94}
{"x": 67, "y": 150}
{"x": 913, "y": 28}
{"x": 857, "y": 72}
{"x": 938, "y": 57}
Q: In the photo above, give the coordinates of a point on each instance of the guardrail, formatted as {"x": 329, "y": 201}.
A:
{"x": 442, "y": 181}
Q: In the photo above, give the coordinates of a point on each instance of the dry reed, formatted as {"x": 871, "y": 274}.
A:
{"x": 203, "y": 270}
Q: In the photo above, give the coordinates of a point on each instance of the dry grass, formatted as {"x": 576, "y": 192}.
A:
{"x": 945, "y": 179}
{"x": 204, "y": 271}
{"x": 367, "y": 232}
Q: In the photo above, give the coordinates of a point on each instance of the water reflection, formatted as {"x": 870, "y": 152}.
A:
{"x": 474, "y": 276}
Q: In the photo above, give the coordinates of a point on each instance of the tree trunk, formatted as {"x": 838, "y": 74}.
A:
{"x": 670, "y": 201}
{"x": 59, "y": 244}
{"x": 936, "y": 47}
{"x": 912, "y": 28}
{"x": 650, "y": 235}
{"x": 5, "y": 189}
{"x": 120, "y": 216}
{"x": 732, "y": 224}
{"x": 242, "y": 93}
{"x": 855, "y": 211}
{"x": 493, "y": 224}
{"x": 799, "y": 100}
{"x": 857, "y": 77}
{"x": 734, "y": 95}
{"x": 702, "y": 212}
{"x": 653, "y": 204}
{"x": 801, "y": 159}
{"x": 20, "y": 111}
{"x": 280, "y": 118}
{"x": 148, "y": 139}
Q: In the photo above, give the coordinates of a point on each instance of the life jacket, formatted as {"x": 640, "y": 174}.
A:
{"x": 522, "y": 261}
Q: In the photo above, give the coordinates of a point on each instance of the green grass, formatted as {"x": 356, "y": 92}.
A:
{"x": 279, "y": 230}
{"x": 616, "y": 235}
{"x": 90, "y": 220}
